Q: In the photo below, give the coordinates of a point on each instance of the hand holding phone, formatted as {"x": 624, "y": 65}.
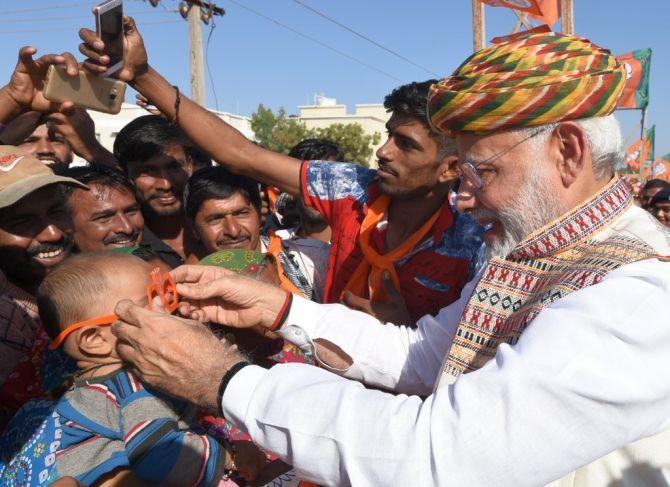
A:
{"x": 135, "y": 61}
{"x": 109, "y": 26}
{"x": 90, "y": 91}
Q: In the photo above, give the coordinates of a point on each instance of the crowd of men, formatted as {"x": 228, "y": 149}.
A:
{"x": 403, "y": 244}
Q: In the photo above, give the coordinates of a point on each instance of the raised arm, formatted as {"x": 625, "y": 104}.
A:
{"x": 226, "y": 145}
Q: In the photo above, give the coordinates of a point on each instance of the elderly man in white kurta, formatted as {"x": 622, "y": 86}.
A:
{"x": 551, "y": 367}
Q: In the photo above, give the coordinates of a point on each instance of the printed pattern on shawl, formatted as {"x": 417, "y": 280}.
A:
{"x": 550, "y": 264}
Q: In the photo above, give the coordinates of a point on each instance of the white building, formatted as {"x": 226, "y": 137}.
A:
{"x": 108, "y": 126}
{"x": 325, "y": 111}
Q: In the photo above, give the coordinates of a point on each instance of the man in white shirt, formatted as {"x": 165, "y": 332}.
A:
{"x": 553, "y": 358}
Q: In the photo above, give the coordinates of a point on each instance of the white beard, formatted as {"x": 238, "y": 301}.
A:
{"x": 534, "y": 207}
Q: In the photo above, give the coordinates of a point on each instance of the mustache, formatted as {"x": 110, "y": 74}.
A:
{"x": 229, "y": 241}
{"x": 386, "y": 167}
{"x": 162, "y": 193}
{"x": 479, "y": 214}
{"x": 65, "y": 243}
{"x": 121, "y": 237}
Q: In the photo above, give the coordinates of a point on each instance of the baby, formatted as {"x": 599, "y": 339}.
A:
{"x": 110, "y": 420}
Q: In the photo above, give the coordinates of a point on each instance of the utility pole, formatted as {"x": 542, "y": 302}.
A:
{"x": 567, "y": 17}
{"x": 196, "y": 11}
{"x": 478, "y": 26}
{"x": 196, "y": 58}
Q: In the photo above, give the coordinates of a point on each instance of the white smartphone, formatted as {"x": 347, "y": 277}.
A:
{"x": 109, "y": 24}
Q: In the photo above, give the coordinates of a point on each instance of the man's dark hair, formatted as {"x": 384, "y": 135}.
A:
{"x": 98, "y": 174}
{"x": 217, "y": 183}
{"x": 410, "y": 100}
{"x": 655, "y": 183}
{"x": 317, "y": 149}
{"x": 147, "y": 136}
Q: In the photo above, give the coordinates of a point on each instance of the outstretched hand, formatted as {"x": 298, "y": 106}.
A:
{"x": 25, "y": 90}
{"x": 161, "y": 349}
{"x": 135, "y": 62}
{"x": 226, "y": 297}
{"x": 393, "y": 311}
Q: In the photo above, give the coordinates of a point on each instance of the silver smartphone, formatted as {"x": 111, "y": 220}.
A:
{"x": 109, "y": 24}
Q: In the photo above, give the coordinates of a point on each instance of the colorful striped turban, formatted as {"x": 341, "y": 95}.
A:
{"x": 537, "y": 79}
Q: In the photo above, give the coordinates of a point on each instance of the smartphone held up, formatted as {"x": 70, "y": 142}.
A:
{"x": 109, "y": 25}
{"x": 96, "y": 92}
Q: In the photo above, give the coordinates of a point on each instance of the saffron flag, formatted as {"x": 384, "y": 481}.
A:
{"x": 545, "y": 11}
{"x": 551, "y": 11}
{"x": 516, "y": 35}
{"x": 633, "y": 152}
{"x": 527, "y": 6}
{"x": 636, "y": 91}
{"x": 660, "y": 169}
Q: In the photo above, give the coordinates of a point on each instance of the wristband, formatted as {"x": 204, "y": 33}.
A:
{"x": 283, "y": 312}
{"x": 224, "y": 383}
{"x": 177, "y": 102}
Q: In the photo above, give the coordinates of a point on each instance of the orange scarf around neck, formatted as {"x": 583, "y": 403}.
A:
{"x": 370, "y": 270}
{"x": 275, "y": 248}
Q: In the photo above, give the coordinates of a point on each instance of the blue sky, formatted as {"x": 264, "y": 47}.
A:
{"x": 253, "y": 60}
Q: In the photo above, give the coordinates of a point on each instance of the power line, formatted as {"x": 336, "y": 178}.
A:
{"x": 316, "y": 41}
{"x": 70, "y": 17}
{"x": 74, "y": 29}
{"x": 358, "y": 34}
{"x": 52, "y": 7}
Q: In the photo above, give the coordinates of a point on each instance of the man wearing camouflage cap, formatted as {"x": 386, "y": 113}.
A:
{"x": 550, "y": 361}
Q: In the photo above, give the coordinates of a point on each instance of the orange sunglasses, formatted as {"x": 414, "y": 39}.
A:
{"x": 161, "y": 285}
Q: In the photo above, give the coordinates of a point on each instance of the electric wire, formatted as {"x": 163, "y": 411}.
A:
{"x": 364, "y": 37}
{"x": 72, "y": 17}
{"x": 74, "y": 29}
{"x": 316, "y": 41}
{"x": 209, "y": 71}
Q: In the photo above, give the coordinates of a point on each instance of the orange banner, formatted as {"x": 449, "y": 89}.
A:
{"x": 527, "y": 6}
{"x": 633, "y": 154}
{"x": 659, "y": 170}
{"x": 551, "y": 11}
{"x": 636, "y": 92}
{"x": 512, "y": 37}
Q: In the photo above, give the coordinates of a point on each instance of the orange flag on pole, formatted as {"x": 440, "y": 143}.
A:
{"x": 516, "y": 35}
{"x": 545, "y": 11}
{"x": 633, "y": 154}
{"x": 551, "y": 11}
{"x": 527, "y": 6}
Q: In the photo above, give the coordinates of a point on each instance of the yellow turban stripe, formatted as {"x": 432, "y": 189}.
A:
{"x": 541, "y": 78}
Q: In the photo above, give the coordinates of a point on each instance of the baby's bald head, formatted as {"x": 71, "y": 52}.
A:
{"x": 90, "y": 285}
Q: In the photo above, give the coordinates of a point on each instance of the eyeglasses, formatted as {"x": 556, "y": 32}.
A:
{"x": 161, "y": 285}
{"x": 468, "y": 170}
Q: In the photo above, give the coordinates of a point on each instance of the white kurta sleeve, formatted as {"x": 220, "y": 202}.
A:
{"x": 394, "y": 357}
{"x": 586, "y": 377}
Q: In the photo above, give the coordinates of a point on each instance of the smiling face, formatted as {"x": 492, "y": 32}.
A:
{"x": 160, "y": 180}
{"x": 35, "y": 235}
{"x": 661, "y": 211}
{"x": 408, "y": 161}
{"x": 230, "y": 223}
{"x": 105, "y": 218}
{"x": 48, "y": 146}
